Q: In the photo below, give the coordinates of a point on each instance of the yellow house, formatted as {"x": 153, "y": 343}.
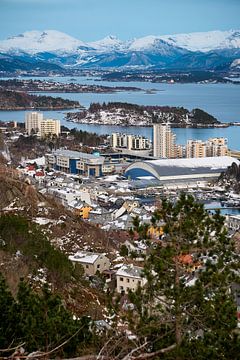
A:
{"x": 155, "y": 232}
{"x": 83, "y": 212}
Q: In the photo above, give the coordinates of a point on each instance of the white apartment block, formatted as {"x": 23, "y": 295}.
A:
{"x": 130, "y": 142}
{"x": 34, "y": 122}
{"x": 164, "y": 139}
{"x": 50, "y": 127}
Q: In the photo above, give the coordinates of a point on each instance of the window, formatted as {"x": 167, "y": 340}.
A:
{"x": 87, "y": 266}
{"x": 98, "y": 266}
{"x": 128, "y": 280}
{"x": 121, "y": 278}
{"x": 139, "y": 282}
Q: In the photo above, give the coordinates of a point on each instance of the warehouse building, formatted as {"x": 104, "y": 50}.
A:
{"x": 177, "y": 171}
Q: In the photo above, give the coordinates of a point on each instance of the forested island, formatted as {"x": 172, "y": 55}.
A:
{"x": 125, "y": 114}
{"x": 170, "y": 76}
{"x": 54, "y": 86}
{"x": 15, "y": 100}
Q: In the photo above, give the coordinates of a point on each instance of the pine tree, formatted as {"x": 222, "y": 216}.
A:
{"x": 44, "y": 323}
{"x": 187, "y": 305}
{"x": 7, "y": 316}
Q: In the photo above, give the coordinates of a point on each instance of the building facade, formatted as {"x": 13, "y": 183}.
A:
{"x": 217, "y": 147}
{"x": 91, "y": 262}
{"x": 164, "y": 141}
{"x": 130, "y": 142}
{"x": 129, "y": 277}
{"x": 35, "y": 123}
{"x": 50, "y": 127}
{"x": 196, "y": 149}
{"x": 211, "y": 147}
{"x": 75, "y": 162}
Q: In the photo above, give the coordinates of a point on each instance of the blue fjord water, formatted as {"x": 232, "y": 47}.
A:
{"x": 220, "y": 100}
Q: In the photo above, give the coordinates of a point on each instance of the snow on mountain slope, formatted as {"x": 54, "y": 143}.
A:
{"x": 41, "y": 41}
{"x": 109, "y": 43}
{"x": 54, "y": 41}
{"x": 235, "y": 64}
{"x": 205, "y": 41}
{"x": 155, "y": 44}
{"x": 143, "y": 43}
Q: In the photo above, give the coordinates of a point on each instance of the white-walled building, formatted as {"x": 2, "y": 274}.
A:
{"x": 34, "y": 122}
{"x": 91, "y": 262}
{"x": 129, "y": 141}
{"x": 163, "y": 141}
{"x": 129, "y": 277}
{"x": 50, "y": 127}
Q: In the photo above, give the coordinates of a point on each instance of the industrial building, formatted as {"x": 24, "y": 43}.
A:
{"x": 75, "y": 162}
{"x": 177, "y": 171}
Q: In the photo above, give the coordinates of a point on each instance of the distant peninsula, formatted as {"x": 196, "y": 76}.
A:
{"x": 59, "y": 87}
{"x": 15, "y": 100}
{"x": 125, "y": 114}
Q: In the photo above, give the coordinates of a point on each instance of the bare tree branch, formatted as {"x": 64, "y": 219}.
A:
{"x": 13, "y": 348}
{"x": 155, "y": 353}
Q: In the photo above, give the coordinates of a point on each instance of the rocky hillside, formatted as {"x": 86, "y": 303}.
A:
{"x": 230, "y": 179}
{"x": 115, "y": 113}
{"x": 36, "y": 236}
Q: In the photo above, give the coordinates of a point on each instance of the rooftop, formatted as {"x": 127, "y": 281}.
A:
{"x": 76, "y": 154}
{"x": 179, "y": 167}
{"x": 85, "y": 257}
{"x": 130, "y": 271}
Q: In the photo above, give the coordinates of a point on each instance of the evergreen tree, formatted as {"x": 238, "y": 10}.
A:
{"x": 7, "y": 316}
{"x": 187, "y": 306}
{"x": 44, "y": 323}
{"x": 41, "y": 322}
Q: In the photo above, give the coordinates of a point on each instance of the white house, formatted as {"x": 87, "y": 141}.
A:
{"x": 129, "y": 277}
{"x": 91, "y": 262}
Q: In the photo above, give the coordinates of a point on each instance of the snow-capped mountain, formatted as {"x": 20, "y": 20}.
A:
{"x": 205, "y": 50}
{"x": 205, "y": 41}
{"x": 33, "y": 42}
{"x": 108, "y": 43}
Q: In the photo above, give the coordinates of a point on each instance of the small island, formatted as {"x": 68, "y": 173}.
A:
{"x": 15, "y": 100}
{"x": 125, "y": 114}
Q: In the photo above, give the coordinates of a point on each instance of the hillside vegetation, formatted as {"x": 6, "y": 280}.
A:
{"x": 125, "y": 114}
{"x": 14, "y": 100}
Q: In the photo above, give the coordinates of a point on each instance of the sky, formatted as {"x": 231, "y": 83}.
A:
{"x": 90, "y": 20}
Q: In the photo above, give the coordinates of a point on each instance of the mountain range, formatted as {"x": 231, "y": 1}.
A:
{"x": 54, "y": 50}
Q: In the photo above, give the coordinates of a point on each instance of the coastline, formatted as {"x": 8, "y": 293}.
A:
{"x": 47, "y": 108}
{"x": 173, "y": 125}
